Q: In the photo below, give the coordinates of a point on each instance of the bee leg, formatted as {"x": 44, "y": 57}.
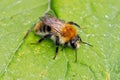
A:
{"x": 43, "y": 38}
{"x": 64, "y": 46}
{"x": 73, "y": 23}
{"x": 74, "y": 47}
{"x": 57, "y": 46}
{"x": 75, "y": 55}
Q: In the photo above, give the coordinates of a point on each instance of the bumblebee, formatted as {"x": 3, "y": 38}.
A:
{"x": 61, "y": 32}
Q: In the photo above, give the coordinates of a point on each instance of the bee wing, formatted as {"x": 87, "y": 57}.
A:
{"x": 54, "y": 23}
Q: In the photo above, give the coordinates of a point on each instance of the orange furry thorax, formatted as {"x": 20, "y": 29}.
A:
{"x": 69, "y": 32}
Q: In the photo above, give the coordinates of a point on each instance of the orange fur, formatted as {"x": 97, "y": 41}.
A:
{"x": 68, "y": 32}
{"x": 37, "y": 26}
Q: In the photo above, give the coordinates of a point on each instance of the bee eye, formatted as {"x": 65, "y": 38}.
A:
{"x": 73, "y": 43}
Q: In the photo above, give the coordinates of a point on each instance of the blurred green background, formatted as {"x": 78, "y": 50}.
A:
{"x": 19, "y": 60}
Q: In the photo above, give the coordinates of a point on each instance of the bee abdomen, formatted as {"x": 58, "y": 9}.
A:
{"x": 45, "y": 29}
{"x": 42, "y": 29}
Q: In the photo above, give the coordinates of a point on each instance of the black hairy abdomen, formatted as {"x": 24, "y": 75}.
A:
{"x": 45, "y": 29}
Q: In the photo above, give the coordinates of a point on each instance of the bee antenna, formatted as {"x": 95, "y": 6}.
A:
{"x": 84, "y": 42}
{"x": 87, "y": 44}
{"x": 73, "y": 23}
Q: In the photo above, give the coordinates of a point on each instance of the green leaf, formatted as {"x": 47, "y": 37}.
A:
{"x": 21, "y": 60}
{"x": 15, "y": 20}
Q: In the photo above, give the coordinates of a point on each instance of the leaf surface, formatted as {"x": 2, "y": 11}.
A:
{"x": 21, "y": 60}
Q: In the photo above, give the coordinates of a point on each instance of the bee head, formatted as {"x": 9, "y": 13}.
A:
{"x": 75, "y": 42}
